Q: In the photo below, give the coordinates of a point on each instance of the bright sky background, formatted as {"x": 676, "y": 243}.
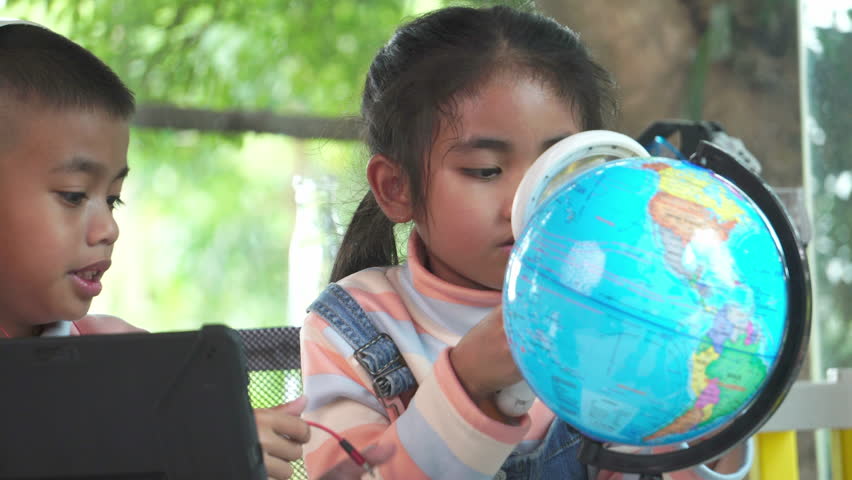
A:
{"x": 822, "y": 14}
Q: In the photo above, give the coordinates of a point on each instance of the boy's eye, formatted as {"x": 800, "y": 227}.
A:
{"x": 72, "y": 198}
{"x": 483, "y": 173}
{"x": 114, "y": 201}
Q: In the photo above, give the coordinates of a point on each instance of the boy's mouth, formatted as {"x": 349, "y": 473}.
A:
{"x": 93, "y": 272}
{"x": 87, "y": 280}
{"x": 90, "y": 275}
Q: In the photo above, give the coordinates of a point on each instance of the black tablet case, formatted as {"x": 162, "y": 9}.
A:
{"x": 133, "y": 406}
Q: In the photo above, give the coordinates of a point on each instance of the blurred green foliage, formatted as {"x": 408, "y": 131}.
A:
{"x": 829, "y": 100}
{"x": 209, "y": 217}
{"x": 285, "y": 56}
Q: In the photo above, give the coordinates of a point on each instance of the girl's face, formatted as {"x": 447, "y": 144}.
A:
{"x": 475, "y": 167}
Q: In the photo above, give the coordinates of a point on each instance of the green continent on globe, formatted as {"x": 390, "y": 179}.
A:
{"x": 726, "y": 356}
{"x": 739, "y": 370}
{"x": 724, "y": 376}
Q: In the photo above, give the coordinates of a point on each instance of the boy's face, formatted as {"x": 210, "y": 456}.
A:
{"x": 61, "y": 173}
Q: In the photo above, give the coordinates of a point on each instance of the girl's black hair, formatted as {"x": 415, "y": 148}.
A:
{"x": 430, "y": 63}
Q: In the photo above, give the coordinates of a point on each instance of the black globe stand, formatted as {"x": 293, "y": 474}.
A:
{"x": 780, "y": 379}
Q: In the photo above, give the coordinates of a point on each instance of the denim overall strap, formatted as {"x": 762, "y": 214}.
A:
{"x": 374, "y": 351}
{"x": 554, "y": 458}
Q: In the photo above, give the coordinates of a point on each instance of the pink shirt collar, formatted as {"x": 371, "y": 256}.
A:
{"x": 427, "y": 283}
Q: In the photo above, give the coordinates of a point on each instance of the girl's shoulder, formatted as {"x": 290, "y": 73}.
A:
{"x": 375, "y": 290}
{"x": 372, "y": 280}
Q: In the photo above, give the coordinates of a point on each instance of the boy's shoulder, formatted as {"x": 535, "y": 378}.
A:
{"x": 102, "y": 324}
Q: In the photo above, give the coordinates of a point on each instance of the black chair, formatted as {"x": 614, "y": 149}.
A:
{"x": 275, "y": 374}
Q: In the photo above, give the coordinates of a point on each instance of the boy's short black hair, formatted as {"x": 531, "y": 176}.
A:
{"x": 43, "y": 68}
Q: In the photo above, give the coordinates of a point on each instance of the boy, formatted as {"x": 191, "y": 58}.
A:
{"x": 63, "y": 157}
{"x": 64, "y": 131}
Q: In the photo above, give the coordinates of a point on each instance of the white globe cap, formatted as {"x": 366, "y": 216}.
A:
{"x": 564, "y": 160}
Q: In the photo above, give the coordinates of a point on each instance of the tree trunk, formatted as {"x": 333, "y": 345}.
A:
{"x": 650, "y": 48}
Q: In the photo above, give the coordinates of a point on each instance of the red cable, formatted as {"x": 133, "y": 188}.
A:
{"x": 350, "y": 450}
{"x": 325, "y": 429}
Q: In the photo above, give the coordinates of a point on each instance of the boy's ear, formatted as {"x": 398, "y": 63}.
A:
{"x": 391, "y": 188}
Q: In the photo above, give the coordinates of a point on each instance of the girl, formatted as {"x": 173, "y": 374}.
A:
{"x": 457, "y": 106}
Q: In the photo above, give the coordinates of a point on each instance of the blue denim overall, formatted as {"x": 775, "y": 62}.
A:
{"x": 554, "y": 459}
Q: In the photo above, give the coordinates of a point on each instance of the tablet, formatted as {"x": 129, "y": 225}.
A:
{"x": 131, "y": 406}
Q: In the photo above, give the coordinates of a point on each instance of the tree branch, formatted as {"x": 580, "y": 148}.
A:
{"x": 298, "y": 126}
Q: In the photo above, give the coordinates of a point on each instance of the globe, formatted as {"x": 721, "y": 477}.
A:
{"x": 646, "y": 300}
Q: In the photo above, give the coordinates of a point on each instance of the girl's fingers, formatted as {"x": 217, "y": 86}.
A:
{"x": 378, "y": 454}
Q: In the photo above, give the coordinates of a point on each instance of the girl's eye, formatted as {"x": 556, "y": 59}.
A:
{"x": 114, "y": 201}
{"x": 483, "y": 173}
{"x": 72, "y": 198}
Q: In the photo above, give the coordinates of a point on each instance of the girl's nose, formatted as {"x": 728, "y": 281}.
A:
{"x": 506, "y": 206}
{"x": 509, "y": 197}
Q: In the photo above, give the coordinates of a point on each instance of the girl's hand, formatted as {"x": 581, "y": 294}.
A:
{"x": 482, "y": 360}
{"x": 282, "y": 433}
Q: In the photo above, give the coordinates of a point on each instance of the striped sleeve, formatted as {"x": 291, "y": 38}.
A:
{"x": 441, "y": 434}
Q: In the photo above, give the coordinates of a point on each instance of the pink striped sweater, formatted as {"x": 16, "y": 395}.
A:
{"x": 441, "y": 434}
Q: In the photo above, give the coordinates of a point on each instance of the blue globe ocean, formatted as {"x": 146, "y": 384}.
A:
{"x": 645, "y": 301}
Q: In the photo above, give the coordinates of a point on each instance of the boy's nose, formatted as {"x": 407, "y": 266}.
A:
{"x": 103, "y": 229}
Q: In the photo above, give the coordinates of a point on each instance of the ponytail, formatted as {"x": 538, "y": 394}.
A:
{"x": 368, "y": 242}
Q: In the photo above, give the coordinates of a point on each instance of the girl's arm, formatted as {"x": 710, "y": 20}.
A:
{"x": 441, "y": 434}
